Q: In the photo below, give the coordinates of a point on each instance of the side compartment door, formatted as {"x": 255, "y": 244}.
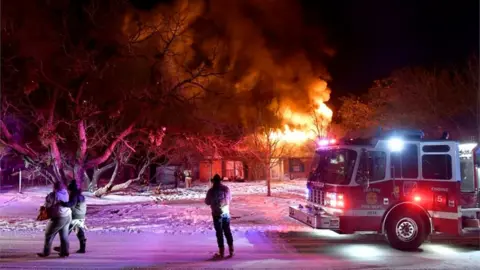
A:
{"x": 439, "y": 169}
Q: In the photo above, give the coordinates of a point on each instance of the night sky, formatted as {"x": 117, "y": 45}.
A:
{"x": 374, "y": 37}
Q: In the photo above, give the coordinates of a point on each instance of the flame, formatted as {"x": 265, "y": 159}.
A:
{"x": 241, "y": 48}
{"x": 292, "y": 135}
{"x": 301, "y": 127}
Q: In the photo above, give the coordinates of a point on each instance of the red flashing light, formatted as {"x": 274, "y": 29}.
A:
{"x": 417, "y": 198}
{"x": 326, "y": 142}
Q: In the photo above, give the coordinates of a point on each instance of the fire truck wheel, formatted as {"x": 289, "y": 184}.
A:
{"x": 405, "y": 231}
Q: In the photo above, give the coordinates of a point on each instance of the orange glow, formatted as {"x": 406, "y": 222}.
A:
{"x": 301, "y": 127}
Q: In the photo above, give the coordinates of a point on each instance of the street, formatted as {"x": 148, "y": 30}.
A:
{"x": 254, "y": 250}
{"x": 178, "y": 234}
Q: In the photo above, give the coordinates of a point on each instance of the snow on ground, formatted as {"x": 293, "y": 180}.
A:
{"x": 172, "y": 211}
{"x": 173, "y": 230}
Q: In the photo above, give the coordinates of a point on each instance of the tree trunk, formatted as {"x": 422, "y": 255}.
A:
{"x": 79, "y": 168}
{"x": 113, "y": 188}
{"x": 96, "y": 176}
{"x": 57, "y": 163}
{"x": 108, "y": 186}
{"x": 267, "y": 174}
{"x": 79, "y": 174}
{"x": 86, "y": 182}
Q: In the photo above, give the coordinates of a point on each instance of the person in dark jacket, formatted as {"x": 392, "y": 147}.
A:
{"x": 79, "y": 210}
{"x": 178, "y": 177}
{"x": 60, "y": 218}
{"x": 219, "y": 198}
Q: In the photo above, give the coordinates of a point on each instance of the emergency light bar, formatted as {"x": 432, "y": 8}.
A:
{"x": 466, "y": 149}
{"x": 403, "y": 133}
{"x": 326, "y": 142}
{"x": 396, "y": 144}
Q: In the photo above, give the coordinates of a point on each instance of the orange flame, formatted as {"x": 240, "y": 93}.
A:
{"x": 308, "y": 126}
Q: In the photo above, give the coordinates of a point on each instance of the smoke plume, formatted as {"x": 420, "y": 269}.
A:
{"x": 266, "y": 49}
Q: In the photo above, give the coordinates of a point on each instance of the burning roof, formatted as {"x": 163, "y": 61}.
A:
{"x": 260, "y": 47}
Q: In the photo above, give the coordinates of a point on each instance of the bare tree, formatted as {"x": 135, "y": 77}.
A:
{"x": 265, "y": 143}
{"x": 139, "y": 156}
{"x": 100, "y": 94}
{"x": 433, "y": 100}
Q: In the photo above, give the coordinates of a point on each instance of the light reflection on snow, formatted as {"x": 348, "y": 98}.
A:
{"x": 362, "y": 251}
{"x": 238, "y": 242}
{"x": 328, "y": 234}
{"x": 440, "y": 249}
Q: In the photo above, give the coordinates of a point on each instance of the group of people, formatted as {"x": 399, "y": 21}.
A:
{"x": 66, "y": 211}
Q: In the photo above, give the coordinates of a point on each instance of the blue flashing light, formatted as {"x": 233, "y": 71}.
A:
{"x": 395, "y": 144}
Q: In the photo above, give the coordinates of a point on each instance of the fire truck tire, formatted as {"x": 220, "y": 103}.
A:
{"x": 405, "y": 231}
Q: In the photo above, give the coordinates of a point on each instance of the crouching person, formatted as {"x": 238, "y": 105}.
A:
{"x": 219, "y": 198}
{"x": 60, "y": 218}
{"x": 79, "y": 209}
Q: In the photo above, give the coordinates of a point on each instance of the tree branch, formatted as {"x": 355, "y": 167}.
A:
{"x": 107, "y": 187}
{"x": 108, "y": 152}
{"x": 113, "y": 188}
{"x": 23, "y": 150}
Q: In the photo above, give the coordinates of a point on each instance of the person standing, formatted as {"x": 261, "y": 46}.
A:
{"x": 219, "y": 198}
{"x": 187, "y": 176}
{"x": 79, "y": 210}
{"x": 177, "y": 176}
{"x": 60, "y": 218}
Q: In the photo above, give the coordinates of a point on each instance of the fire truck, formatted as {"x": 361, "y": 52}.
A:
{"x": 397, "y": 184}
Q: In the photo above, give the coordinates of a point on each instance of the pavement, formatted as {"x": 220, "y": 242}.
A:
{"x": 254, "y": 250}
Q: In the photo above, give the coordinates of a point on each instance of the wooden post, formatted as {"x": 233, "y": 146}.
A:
{"x": 19, "y": 181}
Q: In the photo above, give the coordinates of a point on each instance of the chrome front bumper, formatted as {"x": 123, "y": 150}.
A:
{"x": 313, "y": 218}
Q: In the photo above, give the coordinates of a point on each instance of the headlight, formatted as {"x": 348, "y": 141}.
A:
{"x": 334, "y": 199}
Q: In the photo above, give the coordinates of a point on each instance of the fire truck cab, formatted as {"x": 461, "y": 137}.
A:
{"x": 396, "y": 184}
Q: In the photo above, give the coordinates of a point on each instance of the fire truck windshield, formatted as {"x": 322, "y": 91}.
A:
{"x": 334, "y": 166}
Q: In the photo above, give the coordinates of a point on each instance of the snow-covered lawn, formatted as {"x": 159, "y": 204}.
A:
{"x": 173, "y": 230}
{"x": 172, "y": 211}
